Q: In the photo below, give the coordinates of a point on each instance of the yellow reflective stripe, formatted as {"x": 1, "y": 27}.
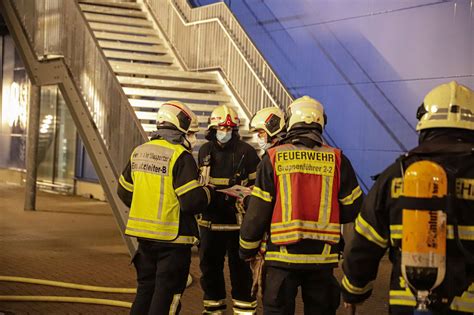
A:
{"x": 240, "y": 303}
{"x": 325, "y": 199}
{"x": 219, "y": 181}
{"x": 213, "y": 303}
{"x": 402, "y": 297}
{"x": 326, "y": 249}
{"x": 248, "y": 245}
{"x": 465, "y": 232}
{"x": 238, "y": 311}
{"x": 356, "y": 193}
{"x": 174, "y": 304}
{"x": 303, "y": 258}
{"x": 123, "y": 182}
{"x": 253, "y": 176}
{"x": 465, "y": 302}
{"x": 187, "y": 187}
{"x": 354, "y": 289}
{"x": 367, "y": 231}
{"x": 265, "y": 196}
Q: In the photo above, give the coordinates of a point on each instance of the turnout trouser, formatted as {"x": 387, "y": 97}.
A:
{"x": 212, "y": 251}
{"x": 162, "y": 272}
{"x": 320, "y": 291}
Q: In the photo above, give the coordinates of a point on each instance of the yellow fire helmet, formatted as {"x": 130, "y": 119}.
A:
{"x": 449, "y": 105}
{"x": 194, "y": 127}
{"x": 305, "y": 111}
{"x": 270, "y": 119}
{"x": 224, "y": 115}
{"x": 176, "y": 114}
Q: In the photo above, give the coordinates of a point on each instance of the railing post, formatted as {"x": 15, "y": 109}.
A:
{"x": 32, "y": 147}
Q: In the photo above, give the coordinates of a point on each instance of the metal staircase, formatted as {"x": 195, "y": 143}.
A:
{"x": 117, "y": 62}
{"x": 146, "y": 67}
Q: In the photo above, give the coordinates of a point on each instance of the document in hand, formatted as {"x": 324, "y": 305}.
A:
{"x": 236, "y": 191}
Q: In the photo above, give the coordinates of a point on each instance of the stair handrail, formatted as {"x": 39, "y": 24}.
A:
{"x": 65, "y": 33}
{"x": 62, "y": 50}
{"x": 209, "y": 38}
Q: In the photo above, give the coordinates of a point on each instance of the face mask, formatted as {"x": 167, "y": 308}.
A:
{"x": 262, "y": 143}
{"x": 223, "y": 136}
{"x": 191, "y": 139}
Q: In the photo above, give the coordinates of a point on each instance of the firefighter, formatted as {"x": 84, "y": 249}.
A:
{"x": 225, "y": 161}
{"x": 446, "y": 126}
{"x": 160, "y": 185}
{"x": 269, "y": 125}
{"x": 304, "y": 191}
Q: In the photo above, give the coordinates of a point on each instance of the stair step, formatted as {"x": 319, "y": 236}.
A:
{"x": 117, "y": 20}
{"x": 138, "y": 56}
{"x": 160, "y": 71}
{"x": 196, "y": 107}
{"x": 112, "y": 10}
{"x": 158, "y": 49}
{"x": 176, "y": 94}
{"x": 126, "y": 5}
{"x": 121, "y": 29}
{"x": 157, "y": 83}
{"x": 128, "y": 38}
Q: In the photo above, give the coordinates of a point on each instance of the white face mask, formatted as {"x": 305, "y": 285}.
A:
{"x": 223, "y": 136}
{"x": 262, "y": 143}
{"x": 192, "y": 139}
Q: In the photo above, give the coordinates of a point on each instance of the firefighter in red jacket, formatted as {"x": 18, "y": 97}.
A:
{"x": 160, "y": 185}
{"x": 446, "y": 125}
{"x": 304, "y": 191}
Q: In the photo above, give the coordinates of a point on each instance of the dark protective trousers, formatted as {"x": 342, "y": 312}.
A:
{"x": 162, "y": 272}
{"x": 320, "y": 291}
{"x": 212, "y": 251}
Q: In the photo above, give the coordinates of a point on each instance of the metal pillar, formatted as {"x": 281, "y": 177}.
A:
{"x": 32, "y": 147}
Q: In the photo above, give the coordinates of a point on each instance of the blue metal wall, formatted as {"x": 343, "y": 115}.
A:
{"x": 369, "y": 62}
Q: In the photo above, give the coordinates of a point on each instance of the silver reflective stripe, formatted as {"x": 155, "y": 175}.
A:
{"x": 239, "y": 303}
{"x": 438, "y": 117}
{"x": 295, "y": 235}
{"x": 463, "y": 303}
{"x": 149, "y": 232}
{"x": 324, "y": 208}
{"x": 332, "y": 227}
{"x": 302, "y": 259}
{"x": 213, "y": 303}
{"x": 225, "y": 227}
{"x": 161, "y": 196}
{"x": 154, "y": 221}
{"x": 174, "y": 304}
{"x": 287, "y": 202}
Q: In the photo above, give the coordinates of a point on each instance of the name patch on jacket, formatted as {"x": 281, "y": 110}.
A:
{"x": 152, "y": 159}
{"x": 305, "y": 161}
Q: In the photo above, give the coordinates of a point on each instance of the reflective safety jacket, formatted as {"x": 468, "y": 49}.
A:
{"x": 301, "y": 196}
{"x": 234, "y": 163}
{"x": 379, "y": 227}
{"x": 160, "y": 186}
{"x": 297, "y": 214}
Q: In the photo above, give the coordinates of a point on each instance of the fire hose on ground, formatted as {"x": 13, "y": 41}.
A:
{"x": 70, "y": 299}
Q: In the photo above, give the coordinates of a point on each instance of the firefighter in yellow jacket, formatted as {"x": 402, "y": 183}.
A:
{"x": 446, "y": 125}
{"x": 160, "y": 185}
{"x": 304, "y": 191}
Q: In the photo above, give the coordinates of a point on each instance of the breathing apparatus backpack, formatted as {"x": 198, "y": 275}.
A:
{"x": 427, "y": 201}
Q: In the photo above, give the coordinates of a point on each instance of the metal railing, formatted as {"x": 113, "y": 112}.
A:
{"x": 210, "y": 37}
{"x": 57, "y": 27}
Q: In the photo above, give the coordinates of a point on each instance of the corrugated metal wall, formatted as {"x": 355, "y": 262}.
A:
{"x": 369, "y": 62}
